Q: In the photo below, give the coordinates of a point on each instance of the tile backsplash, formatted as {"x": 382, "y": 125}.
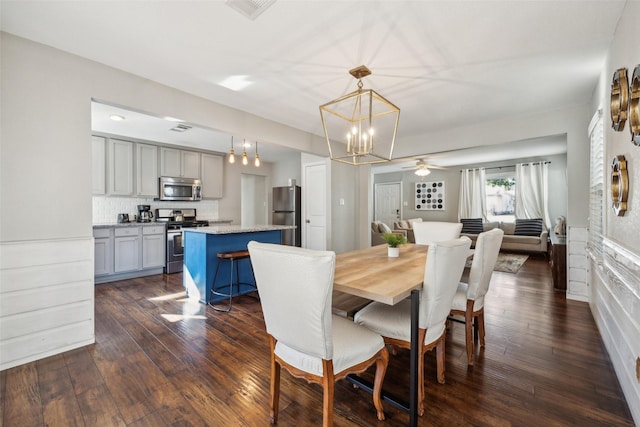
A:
{"x": 106, "y": 209}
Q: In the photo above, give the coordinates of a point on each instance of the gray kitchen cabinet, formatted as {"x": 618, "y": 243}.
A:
{"x": 103, "y": 251}
{"x": 212, "y": 176}
{"x": 179, "y": 163}
{"x": 99, "y": 162}
{"x": 153, "y": 246}
{"x": 146, "y": 170}
{"x": 127, "y": 249}
{"x": 120, "y": 167}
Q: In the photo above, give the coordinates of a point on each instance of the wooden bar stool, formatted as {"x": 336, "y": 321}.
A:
{"x": 234, "y": 257}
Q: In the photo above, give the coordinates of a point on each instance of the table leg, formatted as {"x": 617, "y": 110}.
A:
{"x": 415, "y": 354}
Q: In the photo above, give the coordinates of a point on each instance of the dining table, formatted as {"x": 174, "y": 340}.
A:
{"x": 371, "y": 273}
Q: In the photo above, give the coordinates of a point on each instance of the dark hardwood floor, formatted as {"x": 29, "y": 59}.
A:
{"x": 160, "y": 360}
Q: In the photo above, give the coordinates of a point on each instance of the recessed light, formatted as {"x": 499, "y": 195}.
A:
{"x": 235, "y": 82}
{"x": 117, "y": 117}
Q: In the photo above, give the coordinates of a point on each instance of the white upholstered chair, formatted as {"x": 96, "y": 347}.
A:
{"x": 469, "y": 298}
{"x": 445, "y": 263}
{"x": 295, "y": 287}
{"x": 428, "y": 232}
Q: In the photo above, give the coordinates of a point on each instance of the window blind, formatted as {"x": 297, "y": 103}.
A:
{"x": 596, "y": 185}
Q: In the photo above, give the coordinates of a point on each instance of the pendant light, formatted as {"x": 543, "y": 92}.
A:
{"x": 361, "y": 126}
{"x": 256, "y": 162}
{"x": 232, "y": 154}
{"x": 245, "y": 160}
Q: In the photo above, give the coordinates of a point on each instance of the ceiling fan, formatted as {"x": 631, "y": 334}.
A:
{"x": 422, "y": 168}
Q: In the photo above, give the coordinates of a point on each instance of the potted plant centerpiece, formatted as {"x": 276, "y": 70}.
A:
{"x": 394, "y": 240}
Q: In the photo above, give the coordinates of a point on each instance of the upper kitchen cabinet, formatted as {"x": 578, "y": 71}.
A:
{"x": 146, "y": 170}
{"x": 120, "y": 167}
{"x": 212, "y": 176}
{"x": 179, "y": 163}
{"x": 99, "y": 151}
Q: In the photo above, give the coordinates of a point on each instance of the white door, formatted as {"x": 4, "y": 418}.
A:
{"x": 388, "y": 202}
{"x": 315, "y": 206}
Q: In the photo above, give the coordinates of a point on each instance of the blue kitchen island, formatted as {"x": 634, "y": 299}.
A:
{"x": 201, "y": 246}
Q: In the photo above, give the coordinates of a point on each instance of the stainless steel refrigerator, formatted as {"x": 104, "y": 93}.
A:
{"x": 286, "y": 211}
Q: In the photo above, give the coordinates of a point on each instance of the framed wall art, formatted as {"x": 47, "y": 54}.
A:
{"x": 619, "y": 99}
{"x": 430, "y": 196}
{"x": 619, "y": 185}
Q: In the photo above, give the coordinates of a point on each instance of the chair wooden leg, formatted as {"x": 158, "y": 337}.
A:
{"x": 421, "y": 393}
{"x": 328, "y": 383}
{"x": 275, "y": 385}
{"x": 381, "y": 368}
{"x": 468, "y": 331}
{"x": 440, "y": 351}
{"x": 480, "y": 318}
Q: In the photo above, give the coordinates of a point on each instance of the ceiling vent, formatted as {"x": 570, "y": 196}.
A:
{"x": 250, "y": 8}
{"x": 180, "y": 127}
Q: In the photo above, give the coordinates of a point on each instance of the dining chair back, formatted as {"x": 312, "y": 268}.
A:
{"x": 295, "y": 287}
{"x": 428, "y": 232}
{"x": 443, "y": 270}
{"x": 469, "y": 298}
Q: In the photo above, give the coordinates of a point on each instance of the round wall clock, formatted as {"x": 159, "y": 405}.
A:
{"x": 619, "y": 185}
{"x": 619, "y": 99}
{"x": 634, "y": 106}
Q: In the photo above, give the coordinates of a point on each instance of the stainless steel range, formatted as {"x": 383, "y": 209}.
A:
{"x": 176, "y": 220}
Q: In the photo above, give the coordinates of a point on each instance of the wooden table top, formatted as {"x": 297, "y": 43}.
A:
{"x": 370, "y": 273}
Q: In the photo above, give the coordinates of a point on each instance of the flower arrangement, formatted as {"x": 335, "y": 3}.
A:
{"x": 393, "y": 239}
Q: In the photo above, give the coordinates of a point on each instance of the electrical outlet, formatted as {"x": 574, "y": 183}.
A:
{"x": 638, "y": 368}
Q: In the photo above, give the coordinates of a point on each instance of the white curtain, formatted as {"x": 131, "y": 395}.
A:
{"x": 532, "y": 191}
{"x": 472, "y": 202}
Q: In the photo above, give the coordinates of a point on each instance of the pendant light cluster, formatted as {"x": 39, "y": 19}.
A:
{"x": 245, "y": 159}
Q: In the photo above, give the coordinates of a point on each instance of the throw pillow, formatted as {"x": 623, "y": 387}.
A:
{"x": 404, "y": 224}
{"x": 528, "y": 227}
{"x": 471, "y": 225}
{"x": 384, "y": 228}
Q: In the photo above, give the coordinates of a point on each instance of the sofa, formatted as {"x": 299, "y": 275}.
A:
{"x": 378, "y": 229}
{"x": 523, "y": 235}
{"x": 407, "y": 227}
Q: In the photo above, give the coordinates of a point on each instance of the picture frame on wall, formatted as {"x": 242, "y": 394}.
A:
{"x": 430, "y": 196}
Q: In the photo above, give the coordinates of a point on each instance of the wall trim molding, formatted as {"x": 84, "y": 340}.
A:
{"x": 46, "y": 298}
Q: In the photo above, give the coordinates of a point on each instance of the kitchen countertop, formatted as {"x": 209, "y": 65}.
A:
{"x": 231, "y": 229}
{"x": 149, "y": 224}
{"x": 127, "y": 224}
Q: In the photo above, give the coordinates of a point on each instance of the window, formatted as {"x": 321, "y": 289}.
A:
{"x": 500, "y": 193}
{"x": 596, "y": 184}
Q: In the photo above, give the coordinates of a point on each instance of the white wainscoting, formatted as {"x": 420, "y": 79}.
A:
{"x": 615, "y": 304}
{"x": 46, "y": 298}
{"x": 577, "y": 286}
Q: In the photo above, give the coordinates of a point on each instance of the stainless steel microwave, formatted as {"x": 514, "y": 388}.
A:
{"x": 182, "y": 189}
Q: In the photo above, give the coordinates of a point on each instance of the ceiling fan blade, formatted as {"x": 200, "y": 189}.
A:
{"x": 437, "y": 167}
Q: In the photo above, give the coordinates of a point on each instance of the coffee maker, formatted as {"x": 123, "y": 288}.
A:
{"x": 144, "y": 213}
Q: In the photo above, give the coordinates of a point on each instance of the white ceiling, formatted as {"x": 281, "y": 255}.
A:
{"x": 439, "y": 61}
